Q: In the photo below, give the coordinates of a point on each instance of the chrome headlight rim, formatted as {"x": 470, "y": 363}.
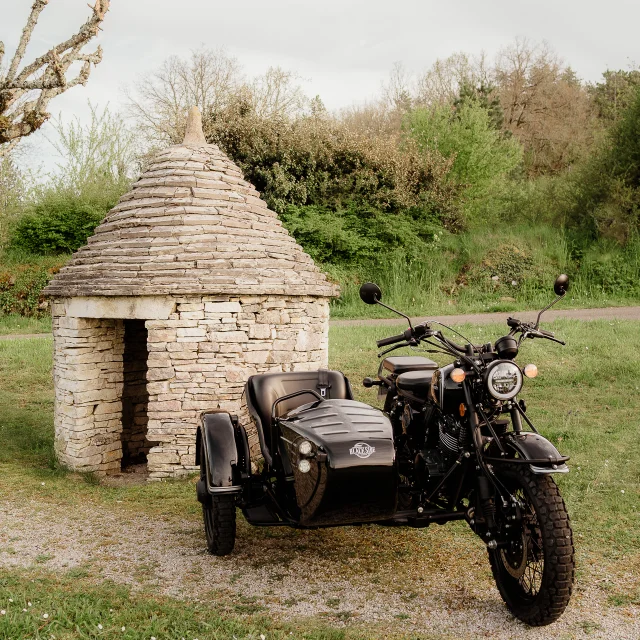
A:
{"x": 490, "y": 372}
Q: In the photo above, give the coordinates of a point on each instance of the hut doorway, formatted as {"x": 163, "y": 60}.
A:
{"x": 135, "y": 397}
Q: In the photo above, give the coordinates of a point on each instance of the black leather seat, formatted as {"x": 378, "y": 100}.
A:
{"x": 263, "y": 390}
{"x": 414, "y": 385}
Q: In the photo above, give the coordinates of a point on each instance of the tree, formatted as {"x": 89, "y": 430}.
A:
{"x": 208, "y": 79}
{"x": 25, "y": 91}
{"x": 545, "y": 107}
{"x": 615, "y": 93}
{"x": 481, "y": 155}
{"x": 214, "y": 82}
{"x": 443, "y": 82}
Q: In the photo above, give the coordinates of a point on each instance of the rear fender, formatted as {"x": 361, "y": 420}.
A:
{"x": 216, "y": 440}
{"x": 543, "y": 457}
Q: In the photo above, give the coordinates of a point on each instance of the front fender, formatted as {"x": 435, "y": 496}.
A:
{"x": 217, "y": 441}
{"x": 542, "y": 456}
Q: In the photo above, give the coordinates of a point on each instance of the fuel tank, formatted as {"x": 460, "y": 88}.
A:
{"x": 343, "y": 462}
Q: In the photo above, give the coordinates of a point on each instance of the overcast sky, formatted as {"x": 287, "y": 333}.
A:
{"x": 344, "y": 50}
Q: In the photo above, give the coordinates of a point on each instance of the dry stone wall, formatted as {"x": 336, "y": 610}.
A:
{"x": 199, "y": 359}
{"x": 88, "y": 381}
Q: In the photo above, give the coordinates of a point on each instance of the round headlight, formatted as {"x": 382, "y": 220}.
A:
{"x": 504, "y": 380}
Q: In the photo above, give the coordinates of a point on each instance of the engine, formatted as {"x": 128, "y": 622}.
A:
{"x": 451, "y": 435}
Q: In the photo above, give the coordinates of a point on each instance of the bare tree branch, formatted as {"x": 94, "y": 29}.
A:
{"x": 21, "y": 113}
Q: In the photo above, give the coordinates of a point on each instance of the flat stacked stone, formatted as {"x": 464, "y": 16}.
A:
{"x": 224, "y": 291}
{"x": 190, "y": 224}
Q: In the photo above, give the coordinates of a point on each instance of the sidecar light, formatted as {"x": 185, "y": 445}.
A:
{"x": 304, "y": 466}
{"x": 531, "y": 371}
{"x": 458, "y": 375}
{"x": 305, "y": 448}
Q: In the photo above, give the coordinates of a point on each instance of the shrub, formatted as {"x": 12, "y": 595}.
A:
{"x": 359, "y": 234}
{"x": 57, "y": 223}
{"x": 316, "y": 160}
{"x": 482, "y": 157}
{"x": 21, "y": 290}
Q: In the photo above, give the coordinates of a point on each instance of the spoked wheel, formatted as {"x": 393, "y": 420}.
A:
{"x": 219, "y": 514}
{"x": 534, "y": 572}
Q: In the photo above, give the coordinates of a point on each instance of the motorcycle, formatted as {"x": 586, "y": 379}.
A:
{"x": 450, "y": 444}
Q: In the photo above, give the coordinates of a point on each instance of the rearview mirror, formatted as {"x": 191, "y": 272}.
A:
{"x": 561, "y": 285}
{"x": 370, "y": 293}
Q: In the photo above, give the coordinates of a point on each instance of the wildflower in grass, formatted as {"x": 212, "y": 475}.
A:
{"x": 10, "y": 599}
{"x": 24, "y": 611}
{"x": 28, "y": 604}
{"x": 45, "y": 615}
{"x": 3, "y": 612}
{"x": 99, "y": 626}
{"x": 123, "y": 629}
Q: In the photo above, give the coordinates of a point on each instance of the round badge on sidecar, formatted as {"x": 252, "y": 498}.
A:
{"x": 362, "y": 450}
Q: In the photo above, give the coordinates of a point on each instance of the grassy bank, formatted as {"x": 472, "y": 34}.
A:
{"x": 496, "y": 268}
{"x": 493, "y": 268}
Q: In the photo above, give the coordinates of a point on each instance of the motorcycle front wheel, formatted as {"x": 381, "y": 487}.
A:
{"x": 534, "y": 572}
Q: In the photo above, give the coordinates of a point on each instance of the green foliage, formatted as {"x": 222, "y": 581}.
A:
{"x": 317, "y": 160}
{"x": 98, "y": 158}
{"x": 613, "y": 95}
{"x": 58, "y": 222}
{"x": 482, "y": 156}
{"x": 22, "y": 279}
{"x": 485, "y": 96}
{"x": 602, "y": 195}
{"x": 360, "y": 234}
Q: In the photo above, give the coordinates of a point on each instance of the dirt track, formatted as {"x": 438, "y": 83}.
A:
{"x": 608, "y": 313}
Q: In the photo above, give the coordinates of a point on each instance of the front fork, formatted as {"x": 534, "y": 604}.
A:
{"x": 482, "y": 519}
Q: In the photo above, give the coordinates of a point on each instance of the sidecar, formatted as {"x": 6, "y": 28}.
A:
{"x": 327, "y": 459}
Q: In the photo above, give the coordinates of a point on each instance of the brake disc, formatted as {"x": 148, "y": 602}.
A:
{"x": 515, "y": 558}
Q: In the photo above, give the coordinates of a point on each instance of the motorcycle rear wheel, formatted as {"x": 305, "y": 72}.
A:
{"x": 535, "y": 573}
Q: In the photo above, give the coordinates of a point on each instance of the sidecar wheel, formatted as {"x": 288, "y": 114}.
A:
{"x": 535, "y": 573}
{"x": 220, "y": 524}
{"x": 219, "y": 515}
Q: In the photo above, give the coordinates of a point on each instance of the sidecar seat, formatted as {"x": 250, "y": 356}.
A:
{"x": 263, "y": 390}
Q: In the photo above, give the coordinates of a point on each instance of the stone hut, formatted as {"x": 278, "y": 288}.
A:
{"x": 189, "y": 286}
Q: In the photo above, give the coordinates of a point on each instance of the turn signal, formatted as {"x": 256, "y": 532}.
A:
{"x": 458, "y": 375}
{"x": 531, "y": 371}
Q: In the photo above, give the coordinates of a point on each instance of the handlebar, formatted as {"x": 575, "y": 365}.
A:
{"x": 410, "y": 335}
{"x": 393, "y": 339}
{"x": 530, "y": 331}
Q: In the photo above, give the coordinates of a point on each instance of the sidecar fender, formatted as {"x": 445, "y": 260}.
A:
{"x": 542, "y": 456}
{"x": 216, "y": 440}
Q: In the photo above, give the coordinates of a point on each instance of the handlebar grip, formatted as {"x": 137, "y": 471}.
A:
{"x": 392, "y": 340}
{"x": 513, "y": 322}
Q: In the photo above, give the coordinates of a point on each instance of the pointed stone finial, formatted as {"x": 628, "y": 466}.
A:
{"x": 194, "y": 134}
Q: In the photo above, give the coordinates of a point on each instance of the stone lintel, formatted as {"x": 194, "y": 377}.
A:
{"x": 120, "y": 307}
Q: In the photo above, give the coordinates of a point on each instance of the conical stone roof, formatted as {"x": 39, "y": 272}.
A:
{"x": 191, "y": 225}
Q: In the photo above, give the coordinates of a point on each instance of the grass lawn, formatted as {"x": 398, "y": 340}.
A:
{"x": 12, "y": 324}
{"x": 585, "y": 400}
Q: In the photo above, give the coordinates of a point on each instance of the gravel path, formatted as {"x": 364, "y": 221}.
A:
{"x": 362, "y": 575}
